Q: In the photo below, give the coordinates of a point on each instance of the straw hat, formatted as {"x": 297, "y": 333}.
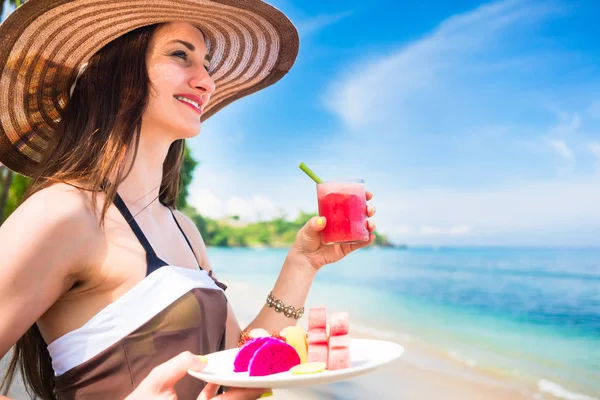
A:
{"x": 45, "y": 43}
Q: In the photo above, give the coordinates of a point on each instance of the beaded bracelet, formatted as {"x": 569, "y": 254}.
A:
{"x": 288, "y": 311}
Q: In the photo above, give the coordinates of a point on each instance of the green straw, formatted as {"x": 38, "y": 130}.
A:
{"x": 310, "y": 173}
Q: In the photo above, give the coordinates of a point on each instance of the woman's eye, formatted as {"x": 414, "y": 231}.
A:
{"x": 181, "y": 54}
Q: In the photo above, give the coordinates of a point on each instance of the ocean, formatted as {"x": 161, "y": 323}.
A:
{"x": 529, "y": 314}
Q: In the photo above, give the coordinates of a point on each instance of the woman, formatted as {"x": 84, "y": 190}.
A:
{"x": 102, "y": 278}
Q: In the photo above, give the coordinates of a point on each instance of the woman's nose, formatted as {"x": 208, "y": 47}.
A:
{"x": 203, "y": 81}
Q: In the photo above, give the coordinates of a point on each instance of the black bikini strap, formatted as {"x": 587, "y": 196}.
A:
{"x": 185, "y": 237}
{"x": 134, "y": 226}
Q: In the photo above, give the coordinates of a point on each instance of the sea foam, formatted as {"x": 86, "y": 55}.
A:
{"x": 558, "y": 391}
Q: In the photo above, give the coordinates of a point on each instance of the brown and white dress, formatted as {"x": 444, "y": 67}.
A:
{"x": 172, "y": 310}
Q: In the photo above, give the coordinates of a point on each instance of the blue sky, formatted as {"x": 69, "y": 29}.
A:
{"x": 474, "y": 123}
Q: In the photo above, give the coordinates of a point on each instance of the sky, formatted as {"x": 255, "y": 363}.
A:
{"x": 473, "y": 123}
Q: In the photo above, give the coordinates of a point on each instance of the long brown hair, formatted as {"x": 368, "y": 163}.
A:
{"x": 95, "y": 143}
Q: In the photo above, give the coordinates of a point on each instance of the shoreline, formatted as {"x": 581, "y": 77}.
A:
{"x": 423, "y": 371}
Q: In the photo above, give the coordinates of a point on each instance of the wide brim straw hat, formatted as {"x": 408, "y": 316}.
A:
{"x": 45, "y": 43}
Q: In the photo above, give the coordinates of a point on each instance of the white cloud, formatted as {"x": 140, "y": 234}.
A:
{"x": 452, "y": 231}
{"x": 459, "y": 49}
{"x": 527, "y": 213}
{"x": 317, "y": 23}
{"x": 569, "y": 125}
{"x": 594, "y": 110}
{"x": 561, "y": 148}
{"x": 252, "y": 209}
{"x": 594, "y": 148}
{"x": 256, "y": 208}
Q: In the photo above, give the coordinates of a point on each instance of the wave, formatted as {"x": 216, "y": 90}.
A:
{"x": 455, "y": 355}
{"x": 558, "y": 391}
{"x": 380, "y": 333}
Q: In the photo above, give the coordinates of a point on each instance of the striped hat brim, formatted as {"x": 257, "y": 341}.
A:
{"x": 44, "y": 43}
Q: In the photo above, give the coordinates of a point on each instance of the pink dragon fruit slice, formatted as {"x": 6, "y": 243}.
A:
{"x": 246, "y": 352}
{"x": 338, "y": 359}
{"x": 339, "y": 324}
{"x": 316, "y": 335}
{"x": 317, "y": 318}
{"x": 317, "y": 353}
{"x": 273, "y": 357}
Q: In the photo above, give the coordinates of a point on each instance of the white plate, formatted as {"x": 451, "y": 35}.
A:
{"x": 365, "y": 356}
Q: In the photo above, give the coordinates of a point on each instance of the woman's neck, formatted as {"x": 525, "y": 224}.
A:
{"x": 141, "y": 187}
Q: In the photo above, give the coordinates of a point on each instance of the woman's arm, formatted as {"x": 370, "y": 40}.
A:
{"x": 43, "y": 246}
{"x": 304, "y": 259}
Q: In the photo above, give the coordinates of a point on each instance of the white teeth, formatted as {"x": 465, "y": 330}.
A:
{"x": 188, "y": 101}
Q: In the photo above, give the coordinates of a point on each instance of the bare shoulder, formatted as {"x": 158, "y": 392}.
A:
{"x": 195, "y": 238}
{"x": 55, "y": 217}
{"x": 57, "y": 204}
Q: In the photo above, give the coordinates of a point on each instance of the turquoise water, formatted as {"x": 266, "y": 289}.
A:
{"x": 527, "y": 313}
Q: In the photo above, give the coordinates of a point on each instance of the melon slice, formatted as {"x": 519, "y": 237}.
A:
{"x": 317, "y": 335}
{"x": 258, "y": 332}
{"x": 296, "y": 337}
{"x": 338, "y": 359}
{"x": 273, "y": 357}
{"x": 317, "y": 318}
{"x": 317, "y": 353}
{"x": 336, "y": 342}
{"x": 308, "y": 368}
{"x": 339, "y": 324}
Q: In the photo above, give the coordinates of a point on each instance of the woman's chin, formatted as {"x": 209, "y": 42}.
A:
{"x": 189, "y": 132}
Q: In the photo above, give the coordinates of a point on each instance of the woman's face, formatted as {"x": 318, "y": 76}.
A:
{"x": 181, "y": 87}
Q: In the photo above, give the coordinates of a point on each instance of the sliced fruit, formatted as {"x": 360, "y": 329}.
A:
{"x": 339, "y": 324}
{"x": 317, "y": 335}
{"x": 273, "y": 357}
{"x": 296, "y": 337}
{"x": 317, "y": 317}
{"x": 258, "y": 332}
{"x": 317, "y": 353}
{"x": 338, "y": 359}
{"x": 285, "y": 330}
{"x": 246, "y": 352}
{"x": 336, "y": 342}
{"x": 308, "y": 368}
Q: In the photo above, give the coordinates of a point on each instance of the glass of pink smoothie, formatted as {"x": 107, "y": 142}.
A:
{"x": 344, "y": 204}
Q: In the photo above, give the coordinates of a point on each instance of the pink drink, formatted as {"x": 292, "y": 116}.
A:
{"x": 344, "y": 204}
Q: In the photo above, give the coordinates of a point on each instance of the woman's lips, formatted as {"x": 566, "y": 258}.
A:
{"x": 193, "y": 107}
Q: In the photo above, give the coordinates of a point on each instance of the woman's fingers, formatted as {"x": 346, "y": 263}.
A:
{"x": 371, "y": 226}
{"x": 370, "y": 211}
{"x": 360, "y": 245}
{"x": 239, "y": 394}
{"x": 166, "y": 375}
{"x": 209, "y": 392}
{"x": 369, "y": 195}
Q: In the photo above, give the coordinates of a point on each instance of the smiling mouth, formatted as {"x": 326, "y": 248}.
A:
{"x": 190, "y": 103}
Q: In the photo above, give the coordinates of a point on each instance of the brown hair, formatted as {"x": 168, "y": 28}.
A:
{"x": 95, "y": 143}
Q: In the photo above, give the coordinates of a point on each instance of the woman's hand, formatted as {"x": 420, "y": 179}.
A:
{"x": 160, "y": 382}
{"x": 308, "y": 241}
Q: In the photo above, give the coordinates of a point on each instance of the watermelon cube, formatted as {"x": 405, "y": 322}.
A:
{"x": 317, "y": 353}
{"x": 338, "y": 359}
{"x": 317, "y": 317}
{"x": 337, "y": 342}
{"x": 317, "y": 335}
{"x": 339, "y": 324}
